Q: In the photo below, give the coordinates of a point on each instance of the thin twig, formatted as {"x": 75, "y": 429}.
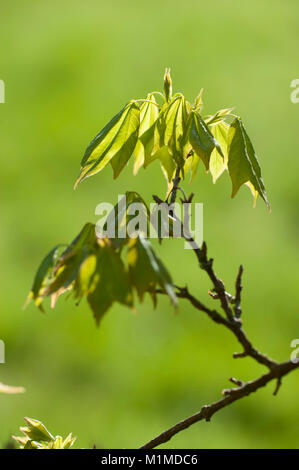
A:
{"x": 176, "y": 180}
{"x": 234, "y": 325}
{"x": 238, "y": 309}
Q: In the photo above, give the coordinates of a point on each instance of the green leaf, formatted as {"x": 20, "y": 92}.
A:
{"x": 191, "y": 165}
{"x": 149, "y": 113}
{"x": 110, "y": 283}
{"x": 100, "y": 142}
{"x": 86, "y": 236}
{"x": 167, "y": 164}
{"x": 119, "y": 218}
{"x": 33, "y": 445}
{"x": 218, "y": 163}
{"x": 175, "y": 129}
{"x": 57, "y": 273}
{"x": 126, "y": 141}
{"x": 68, "y": 441}
{"x": 243, "y": 165}
{"x": 85, "y": 275}
{"x": 147, "y": 270}
{"x": 170, "y": 129}
{"x": 159, "y": 130}
{"x": 116, "y": 141}
{"x": 202, "y": 140}
{"x": 68, "y": 265}
{"x": 38, "y": 437}
{"x": 36, "y": 431}
{"x": 42, "y": 277}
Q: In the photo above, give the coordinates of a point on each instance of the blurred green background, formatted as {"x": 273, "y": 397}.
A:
{"x": 68, "y": 68}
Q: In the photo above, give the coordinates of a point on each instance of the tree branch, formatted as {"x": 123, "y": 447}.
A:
{"x": 234, "y": 325}
{"x": 232, "y": 321}
{"x": 230, "y": 396}
{"x": 238, "y": 310}
{"x": 176, "y": 180}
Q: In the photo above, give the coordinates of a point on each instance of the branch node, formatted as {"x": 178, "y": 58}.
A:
{"x": 238, "y": 382}
{"x": 205, "y": 413}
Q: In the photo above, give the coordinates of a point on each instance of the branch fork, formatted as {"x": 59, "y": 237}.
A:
{"x": 230, "y": 319}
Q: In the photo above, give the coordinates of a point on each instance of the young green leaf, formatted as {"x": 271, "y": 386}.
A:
{"x": 127, "y": 139}
{"x": 218, "y": 163}
{"x": 110, "y": 283}
{"x": 243, "y": 165}
{"x": 175, "y": 129}
{"x": 38, "y": 437}
{"x": 68, "y": 265}
{"x": 86, "y": 237}
{"x": 85, "y": 275}
{"x": 146, "y": 269}
{"x": 36, "y": 431}
{"x": 100, "y": 142}
{"x": 68, "y": 441}
{"x": 149, "y": 113}
{"x": 170, "y": 129}
{"x": 159, "y": 129}
{"x": 43, "y": 277}
{"x": 202, "y": 140}
{"x": 66, "y": 272}
{"x": 167, "y": 164}
{"x": 118, "y": 219}
{"x": 191, "y": 165}
{"x": 116, "y": 141}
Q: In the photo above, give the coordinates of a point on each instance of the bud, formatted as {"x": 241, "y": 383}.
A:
{"x": 167, "y": 85}
{"x": 22, "y": 441}
{"x": 68, "y": 441}
{"x": 57, "y": 443}
{"x": 36, "y": 431}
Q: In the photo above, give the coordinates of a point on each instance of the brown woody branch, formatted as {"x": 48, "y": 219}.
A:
{"x": 230, "y": 396}
{"x": 232, "y": 321}
{"x": 234, "y": 325}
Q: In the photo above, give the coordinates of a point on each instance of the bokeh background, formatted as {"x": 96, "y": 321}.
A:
{"x": 68, "y": 68}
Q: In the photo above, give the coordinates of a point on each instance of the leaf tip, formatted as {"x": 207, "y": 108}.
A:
{"x": 76, "y": 183}
{"x": 28, "y": 300}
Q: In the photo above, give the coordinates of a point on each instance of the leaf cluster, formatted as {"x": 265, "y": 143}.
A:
{"x": 177, "y": 134}
{"x": 37, "y": 436}
{"x": 104, "y": 270}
